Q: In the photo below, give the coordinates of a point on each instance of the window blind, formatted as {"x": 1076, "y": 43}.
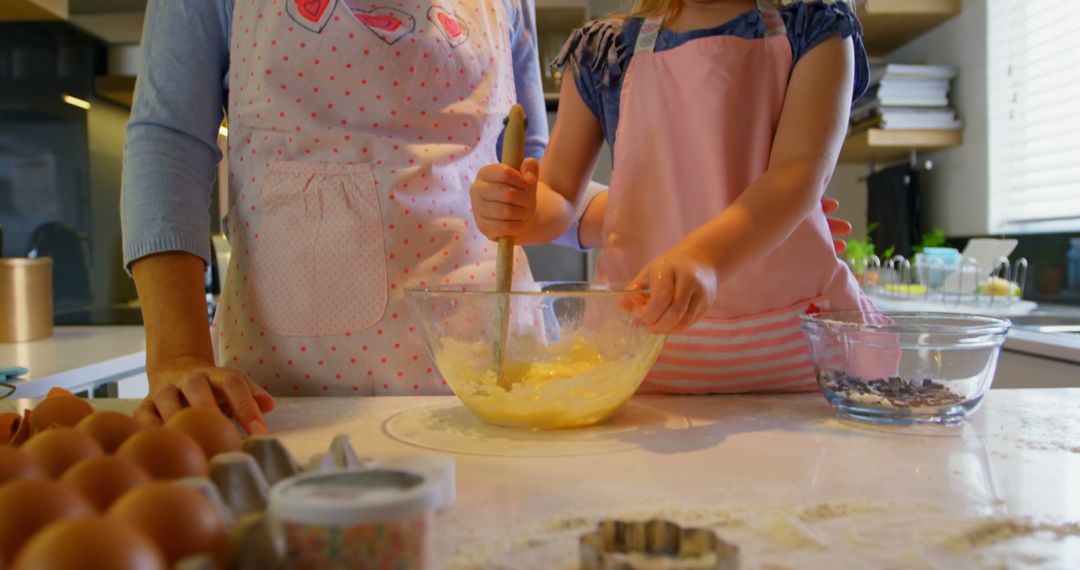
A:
{"x": 1034, "y": 111}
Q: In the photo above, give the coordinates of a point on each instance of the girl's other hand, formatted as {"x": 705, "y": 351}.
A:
{"x": 837, "y": 226}
{"x": 195, "y": 382}
{"x": 682, "y": 286}
{"x": 504, "y": 199}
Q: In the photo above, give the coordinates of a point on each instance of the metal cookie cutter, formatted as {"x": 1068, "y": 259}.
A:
{"x": 618, "y": 545}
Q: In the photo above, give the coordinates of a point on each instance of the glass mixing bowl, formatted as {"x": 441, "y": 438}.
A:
{"x": 574, "y": 353}
{"x": 902, "y": 368}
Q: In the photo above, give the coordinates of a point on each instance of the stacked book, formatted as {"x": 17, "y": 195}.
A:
{"x": 906, "y": 97}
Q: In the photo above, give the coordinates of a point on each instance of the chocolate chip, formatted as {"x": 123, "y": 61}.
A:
{"x": 897, "y": 392}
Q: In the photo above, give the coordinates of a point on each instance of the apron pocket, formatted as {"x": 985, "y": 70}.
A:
{"x": 757, "y": 353}
{"x": 319, "y": 266}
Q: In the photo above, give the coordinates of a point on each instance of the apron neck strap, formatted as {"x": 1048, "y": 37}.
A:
{"x": 650, "y": 30}
{"x": 770, "y": 16}
{"x": 646, "y": 39}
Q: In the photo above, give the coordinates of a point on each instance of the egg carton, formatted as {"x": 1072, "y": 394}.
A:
{"x": 618, "y": 545}
{"x": 240, "y": 482}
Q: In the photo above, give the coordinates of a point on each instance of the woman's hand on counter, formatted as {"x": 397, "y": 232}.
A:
{"x": 189, "y": 381}
{"x": 179, "y": 353}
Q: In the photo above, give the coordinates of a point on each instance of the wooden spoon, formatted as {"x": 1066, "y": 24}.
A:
{"x": 513, "y": 152}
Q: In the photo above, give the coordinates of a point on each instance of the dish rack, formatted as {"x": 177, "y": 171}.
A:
{"x": 925, "y": 283}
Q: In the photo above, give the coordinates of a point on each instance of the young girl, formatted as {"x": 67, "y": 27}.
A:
{"x": 726, "y": 118}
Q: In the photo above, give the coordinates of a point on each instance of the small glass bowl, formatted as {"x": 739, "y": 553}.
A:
{"x": 904, "y": 368}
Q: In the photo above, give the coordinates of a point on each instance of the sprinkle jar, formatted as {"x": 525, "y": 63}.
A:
{"x": 376, "y": 519}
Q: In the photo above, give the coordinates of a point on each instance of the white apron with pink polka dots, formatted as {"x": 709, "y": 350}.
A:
{"x": 355, "y": 130}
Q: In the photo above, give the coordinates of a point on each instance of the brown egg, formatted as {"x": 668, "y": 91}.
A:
{"x": 9, "y": 424}
{"x": 15, "y": 464}
{"x": 91, "y": 542}
{"x": 110, "y": 429}
{"x": 178, "y": 518}
{"x": 102, "y": 480}
{"x": 58, "y": 391}
{"x": 28, "y": 506}
{"x": 61, "y": 410}
{"x": 59, "y": 448}
{"x": 165, "y": 454}
{"x": 214, "y": 432}
{"x": 22, "y": 433}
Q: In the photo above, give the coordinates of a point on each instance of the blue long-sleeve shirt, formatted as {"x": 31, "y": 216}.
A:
{"x": 171, "y": 151}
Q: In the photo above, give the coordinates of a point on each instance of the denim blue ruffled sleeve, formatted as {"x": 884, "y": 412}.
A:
{"x": 811, "y": 23}
{"x": 596, "y": 56}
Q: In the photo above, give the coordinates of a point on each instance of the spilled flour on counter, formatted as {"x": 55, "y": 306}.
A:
{"x": 995, "y": 531}
{"x": 1047, "y": 446}
{"x": 828, "y": 511}
{"x": 792, "y": 534}
{"x": 1050, "y": 426}
{"x": 552, "y": 543}
{"x": 851, "y": 535}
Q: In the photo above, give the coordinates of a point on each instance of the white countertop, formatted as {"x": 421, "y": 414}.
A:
{"x": 778, "y": 475}
{"x": 76, "y": 358}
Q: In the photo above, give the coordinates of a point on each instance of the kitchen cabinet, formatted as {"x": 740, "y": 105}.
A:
{"x": 1022, "y": 370}
{"x": 1040, "y": 359}
{"x": 34, "y": 10}
{"x": 119, "y": 89}
{"x": 889, "y": 24}
{"x": 882, "y": 146}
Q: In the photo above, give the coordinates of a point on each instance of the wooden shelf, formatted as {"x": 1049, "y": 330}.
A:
{"x": 33, "y": 10}
{"x": 879, "y": 145}
{"x": 119, "y": 89}
{"x": 889, "y": 24}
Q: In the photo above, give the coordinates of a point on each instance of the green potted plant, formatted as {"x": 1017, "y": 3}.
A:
{"x": 936, "y": 238}
{"x": 858, "y": 254}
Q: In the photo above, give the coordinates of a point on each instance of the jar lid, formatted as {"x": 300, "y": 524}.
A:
{"x": 353, "y": 497}
{"x": 438, "y": 469}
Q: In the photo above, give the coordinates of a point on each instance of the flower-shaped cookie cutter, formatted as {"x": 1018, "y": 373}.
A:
{"x": 618, "y": 545}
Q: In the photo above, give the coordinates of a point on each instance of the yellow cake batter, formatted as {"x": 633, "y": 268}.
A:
{"x": 567, "y": 384}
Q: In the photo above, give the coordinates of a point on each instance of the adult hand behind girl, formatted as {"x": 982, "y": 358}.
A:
{"x": 838, "y": 227}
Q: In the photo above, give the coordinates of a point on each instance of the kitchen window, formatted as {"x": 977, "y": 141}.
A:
{"x": 1034, "y": 85}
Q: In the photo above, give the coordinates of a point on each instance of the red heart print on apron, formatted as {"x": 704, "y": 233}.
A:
{"x": 311, "y": 14}
{"x": 452, "y": 28}
{"x": 388, "y": 24}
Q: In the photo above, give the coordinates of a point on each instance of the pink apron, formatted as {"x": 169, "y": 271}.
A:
{"x": 696, "y": 129}
{"x": 355, "y": 130}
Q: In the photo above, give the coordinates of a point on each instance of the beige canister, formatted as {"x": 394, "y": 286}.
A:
{"x": 26, "y": 299}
